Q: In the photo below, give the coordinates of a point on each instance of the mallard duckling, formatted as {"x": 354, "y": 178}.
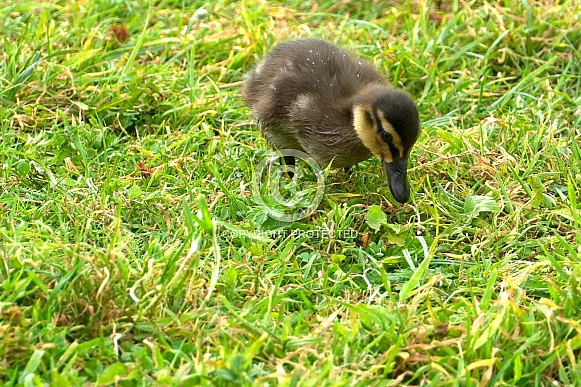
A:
{"x": 315, "y": 97}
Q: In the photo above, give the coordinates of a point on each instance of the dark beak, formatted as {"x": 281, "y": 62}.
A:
{"x": 398, "y": 179}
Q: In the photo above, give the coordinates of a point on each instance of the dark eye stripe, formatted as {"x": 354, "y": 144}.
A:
{"x": 387, "y": 137}
{"x": 378, "y": 127}
{"x": 368, "y": 117}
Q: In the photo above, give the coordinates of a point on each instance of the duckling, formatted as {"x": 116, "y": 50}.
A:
{"x": 315, "y": 97}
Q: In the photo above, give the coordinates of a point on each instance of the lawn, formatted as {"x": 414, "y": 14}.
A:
{"x": 134, "y": 252}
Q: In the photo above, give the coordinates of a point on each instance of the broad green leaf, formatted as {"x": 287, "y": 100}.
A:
{"x": 23, "y": 167}
{"x": 338, "y": 258}
{"x": 397, "y": 233}
{"x": 375, "y": 217}
{"x": 111, "y": 372}
{"x": 476, "y": 204}
{"x": 133, "y": 192}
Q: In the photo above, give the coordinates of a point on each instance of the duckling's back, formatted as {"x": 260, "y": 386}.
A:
{"x": 306, "y": 69}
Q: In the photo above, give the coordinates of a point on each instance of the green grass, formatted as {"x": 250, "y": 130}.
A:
{"x": 126, "y": 177}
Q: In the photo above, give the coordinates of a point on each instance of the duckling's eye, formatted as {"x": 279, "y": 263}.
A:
{"x": 386, "y": 137}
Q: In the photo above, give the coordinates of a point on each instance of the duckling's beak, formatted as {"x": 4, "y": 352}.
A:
{"x": 398, "y": 181}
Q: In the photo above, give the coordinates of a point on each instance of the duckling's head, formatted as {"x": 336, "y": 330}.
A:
{"x": 387, "y": 122}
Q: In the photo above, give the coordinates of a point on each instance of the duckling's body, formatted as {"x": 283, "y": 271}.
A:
{"x": 315, "y": 97}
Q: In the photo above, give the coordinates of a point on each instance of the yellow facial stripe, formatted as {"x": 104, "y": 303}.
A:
{"x": 369, "y": 135}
